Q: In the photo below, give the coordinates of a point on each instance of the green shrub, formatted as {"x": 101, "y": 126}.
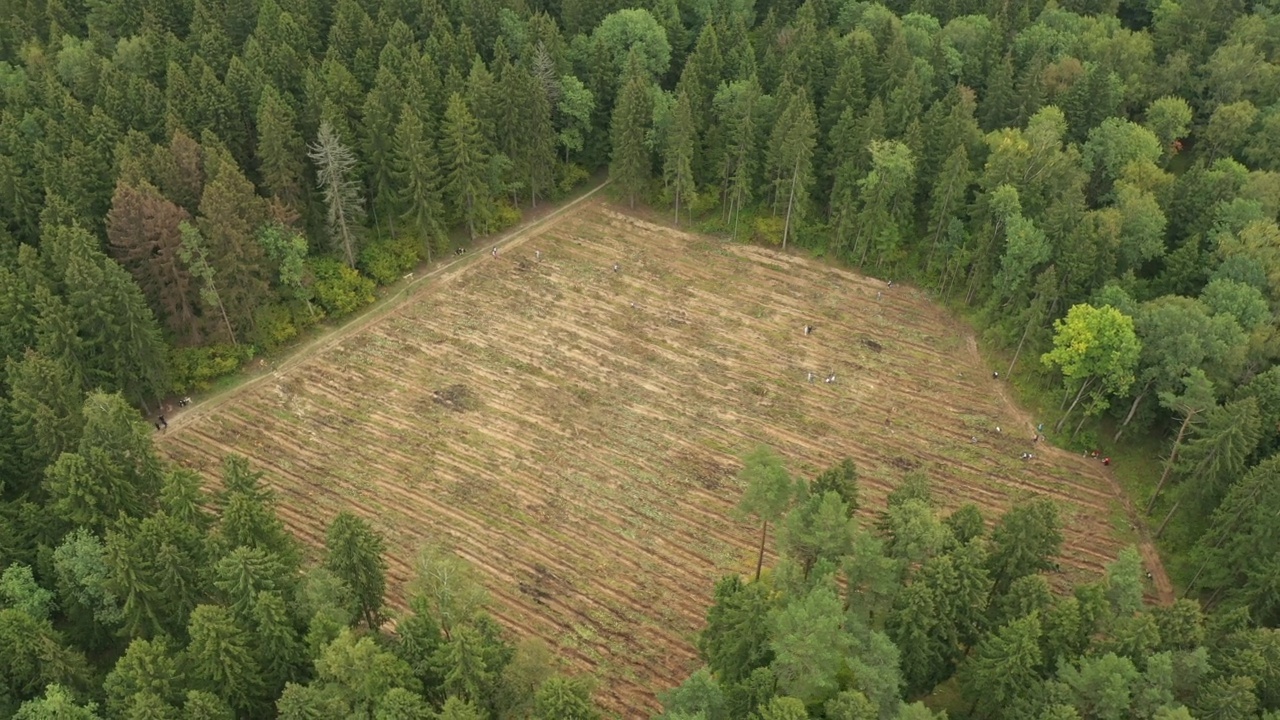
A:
{"x": 195, "y": 368}
{"x": 340, "y": 290}
{"x": 274, "y": 326}
{"x": 571, "y": 176}
{"x": 388, "y": 260}
{"x": 504, "y": 217}
{"x": 767, "y": 230}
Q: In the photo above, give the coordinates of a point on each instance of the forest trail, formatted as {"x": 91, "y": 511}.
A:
{"x": 1150, "y": 556}
{"x": 389, "y": 305}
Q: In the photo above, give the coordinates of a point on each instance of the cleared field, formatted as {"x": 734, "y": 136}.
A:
{"x": 573, "y": 430}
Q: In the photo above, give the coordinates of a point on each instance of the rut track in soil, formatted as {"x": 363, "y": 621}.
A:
{"x": 589, "y": 473}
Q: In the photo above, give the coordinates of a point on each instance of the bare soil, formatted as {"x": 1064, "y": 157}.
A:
{"x": 574, "y": 431}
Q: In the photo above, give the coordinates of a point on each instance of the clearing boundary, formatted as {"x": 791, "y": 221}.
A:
{"x": 572, "y": 429}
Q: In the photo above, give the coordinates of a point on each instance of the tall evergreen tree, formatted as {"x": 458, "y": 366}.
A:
{"x": 790, "y": 157}
{"x": 466, "y": 163}
{"x": 221, "y": 659}
{"x": 354, "y": 554}
{"x": 632, "y": 116}
{"x": 1003, "y": 669}
{"x": 44, "y": 409}
{"x": 143, "y": 228}
{"x": 230, "y": 214}
{"x": 677, "y": 156}
{"x": 335, "y": 166}
{"x": 415, "y": 166}
{"x": 195, "y": 255}
{"x": 537, "y": 152}
{"x": 280, "y": 150}
{"x": 381, "y": 107}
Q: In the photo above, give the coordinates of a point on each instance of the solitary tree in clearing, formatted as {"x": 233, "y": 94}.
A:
{"x": 768, "y": 494}
{"x": 335, "y": 170}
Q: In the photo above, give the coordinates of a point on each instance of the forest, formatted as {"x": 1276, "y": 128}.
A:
{"x": 186, "y": 185}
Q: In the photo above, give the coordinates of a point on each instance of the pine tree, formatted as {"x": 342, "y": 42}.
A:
{"x": 466, "y": 163}
{"x": 280, "y": 150}
{"x": 335, "y": 166}
{"x": 354, "y": 554}
{"x": 632, "y": 115}
{"x": 415, "y": 167}
{"x": 677, "y": 164}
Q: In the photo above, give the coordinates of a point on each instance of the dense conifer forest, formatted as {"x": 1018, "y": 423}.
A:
{"x": 188, "y": 184}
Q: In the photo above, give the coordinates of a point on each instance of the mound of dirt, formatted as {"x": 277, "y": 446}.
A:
{"x": 457, "y": 398}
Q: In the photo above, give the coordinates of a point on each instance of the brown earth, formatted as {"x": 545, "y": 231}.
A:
{"x": 573, "y": 431}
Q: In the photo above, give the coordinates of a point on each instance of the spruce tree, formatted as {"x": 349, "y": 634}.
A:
{"x": 354, "y": 554}
{"x": 632, "y": 115}
{"x": 221, "y": 659}
{"x": 466, "y": 164}
{"x": 949, "y": 194}
{"x": 677, "y": 160}
{"x": 381, "y": 106}
{"x": 1004, "y": 668}
{"x": 195, "y": 255}
{"x": 230, "y": 214}
{"x": 143, "y": 230}
{"x": 790, "y": 158}
{"x": 415, "y": 168}
{"x": 280, "y": 150}
{"x": 538, "y": 152}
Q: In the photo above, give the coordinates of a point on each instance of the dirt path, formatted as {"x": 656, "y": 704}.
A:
{"x": 389, "y": 305}
{"x": 1150, "y": 556}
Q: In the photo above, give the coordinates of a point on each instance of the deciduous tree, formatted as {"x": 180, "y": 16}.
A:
{"x": 1096, "y": 351}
